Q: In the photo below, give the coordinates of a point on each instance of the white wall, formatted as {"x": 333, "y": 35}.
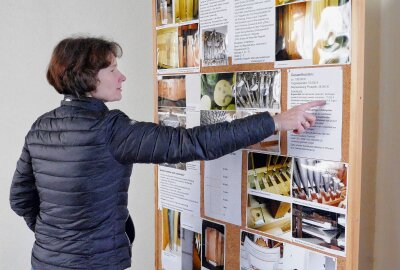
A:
{"x": 29, "y": 30}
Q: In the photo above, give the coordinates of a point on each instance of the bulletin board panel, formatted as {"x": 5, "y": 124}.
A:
{"x": 352, "y": 111}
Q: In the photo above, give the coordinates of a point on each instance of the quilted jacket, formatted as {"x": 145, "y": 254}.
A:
{"x": 72, "y": 178}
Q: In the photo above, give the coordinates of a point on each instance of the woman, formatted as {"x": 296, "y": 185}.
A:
{"x": 73, "y": 175}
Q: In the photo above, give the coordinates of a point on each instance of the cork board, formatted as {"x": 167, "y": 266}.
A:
{"x": 351, "y": 149}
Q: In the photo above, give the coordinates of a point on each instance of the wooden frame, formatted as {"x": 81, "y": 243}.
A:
{"x": 351, "y": 145}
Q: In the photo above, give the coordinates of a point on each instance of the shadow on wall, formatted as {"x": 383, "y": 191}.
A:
{"x": 387, "y": 214}
{"x": 370, "y": 134}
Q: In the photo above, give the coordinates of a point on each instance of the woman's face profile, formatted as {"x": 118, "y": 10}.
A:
{"x": 109, "y": 86}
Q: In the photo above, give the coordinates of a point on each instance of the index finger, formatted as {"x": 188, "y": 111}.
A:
{"x": 312, "y": 104}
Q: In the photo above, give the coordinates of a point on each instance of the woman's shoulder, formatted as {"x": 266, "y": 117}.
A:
{"x": 118, "y": 118}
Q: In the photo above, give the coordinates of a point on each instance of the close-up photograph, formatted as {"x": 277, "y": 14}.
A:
{"x": 217, "y": 91}
{"x": 294, "y": 32}
{"x": 321, "y": 228}
{"x": 269, "y": 173}
{"x": 269, "y": 216}
{"x": 215, "y": 42}
{"x": 199, "y": 134}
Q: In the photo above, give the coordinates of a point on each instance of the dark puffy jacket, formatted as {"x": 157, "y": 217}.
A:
{"x": 73, "y": 175}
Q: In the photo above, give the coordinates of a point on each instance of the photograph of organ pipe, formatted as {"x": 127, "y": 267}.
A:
{"x": 213, "y": 246}
{"x": 269, "y": 173}
{"x": 215, "y": 41}
{"x": 283, "y": 2}
{"x": 172, "y": 91}
{"x": 186, "y": 10}
{"x": 261, "y": 89}
{"x": 178, "y": 47}
{"x": 163, "y": 12}
{"x": 171, "y": 235}
{"x": 319, "y": 227}
{"x": 320, "y": 181}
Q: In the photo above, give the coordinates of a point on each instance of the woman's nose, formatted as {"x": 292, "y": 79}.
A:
{"x": 122, "y": 78}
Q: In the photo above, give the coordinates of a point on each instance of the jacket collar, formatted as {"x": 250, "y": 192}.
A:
{"x": 84, "y": 102}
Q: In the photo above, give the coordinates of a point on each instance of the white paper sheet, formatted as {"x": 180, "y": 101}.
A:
{"x": 192, "y": 83}
{"x": 171, "y": 261}
{"x": 324, "y": 140}
{"x": 214, "y": 13}
{"x": 191, "y": 222}
{"x": 254, "y": 30}
{"x": 295, "y": 257}
{"x": 222, "y": 188}
{"x": 180, "y": 189}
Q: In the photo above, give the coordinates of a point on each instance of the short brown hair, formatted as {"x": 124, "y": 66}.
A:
{"x": 76, "y": 61}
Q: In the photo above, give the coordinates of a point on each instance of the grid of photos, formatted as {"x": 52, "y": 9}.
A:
{"x": 262, "y": 253}
{"x": 312, "y": 32}
{"x": 319, "y": 228}
{"x": 178, "y": 49}
{"x": 306, "y": 196}
{"x": 298, "y": 199}
{"x": 268, "y": 188}
{"x": 213, "y": 245}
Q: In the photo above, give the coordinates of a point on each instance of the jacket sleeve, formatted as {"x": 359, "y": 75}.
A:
{"x": 142, "y": 142}
{"x": 24, "y": 197}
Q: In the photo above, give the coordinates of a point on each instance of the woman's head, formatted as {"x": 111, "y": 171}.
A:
{"x": 86, "y": 65}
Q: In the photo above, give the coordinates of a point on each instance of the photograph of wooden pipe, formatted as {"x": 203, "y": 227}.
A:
{"x": 269, "y": 173}
{"x": 213, "y": 245}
